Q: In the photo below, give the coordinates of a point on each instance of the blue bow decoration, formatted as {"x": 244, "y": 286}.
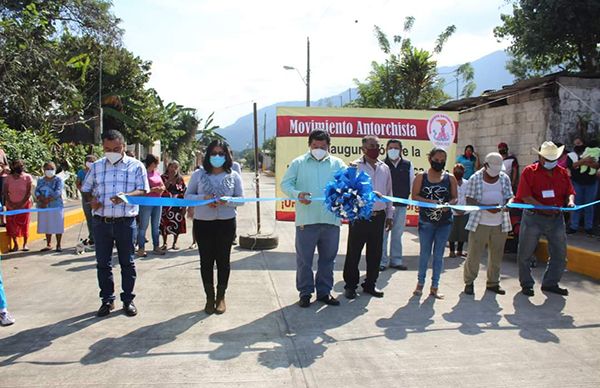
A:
{"x": 350, "y": 195}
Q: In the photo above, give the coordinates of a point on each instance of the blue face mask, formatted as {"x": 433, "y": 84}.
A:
{"x": 550, "y": 165}
{"x": 217, "y": 161}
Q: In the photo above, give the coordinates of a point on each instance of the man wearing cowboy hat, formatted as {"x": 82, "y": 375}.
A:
{"x": 544, "y": 184}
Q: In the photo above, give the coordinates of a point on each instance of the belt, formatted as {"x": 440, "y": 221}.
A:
{"x": 113, "y": 220}
{"x": 538, "y": 213}
{"x": 377, "y": 212}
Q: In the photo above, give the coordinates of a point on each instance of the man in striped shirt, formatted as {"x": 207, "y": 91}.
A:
{"x": 114, "y": 220}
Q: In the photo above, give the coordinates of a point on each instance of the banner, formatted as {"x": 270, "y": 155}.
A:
{"x": 419, "y": 131}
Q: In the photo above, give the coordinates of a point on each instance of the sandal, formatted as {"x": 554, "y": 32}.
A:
{"x": 163, "y": 248}
{"x": 433, "y": 291}
{"x": 46, "y": 248}
{"x": 175, "y": 247}
{"x": 418, "y": 290}
{"x": 58, "y": 249}
{"x": 25, "y": 249}
{"x": 14, "y": 249}
{"x": 452, "y": 254}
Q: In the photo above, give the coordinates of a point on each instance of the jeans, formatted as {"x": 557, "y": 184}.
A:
{"x": 87, "y": 210}
{"x": 3, "y": 303}
{"x": 325, "y": 238}
{"x": 149, "y": 215}
{"x": 395, "y": 256}
{"x": 584, "y": 194}
{"x": 369, "y": 232}
{"x": 106, "y": 235}
{"x": 533, "y": 226}
{"x": 214, "y": 240}
{"x": 432, "y": 236}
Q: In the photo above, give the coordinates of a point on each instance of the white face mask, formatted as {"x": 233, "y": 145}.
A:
{"x": 49, "y": 173}
{"x": 393, "y": 153}
{"x": 113, "y": 157}
{"x": 492, "y": 173}
{"x": 550, "y": 165}
{"x": 88, "y": 164}
{"x": 318, "y": 153}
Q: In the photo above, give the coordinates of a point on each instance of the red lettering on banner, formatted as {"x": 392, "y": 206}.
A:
{"x": 354, "y": 127}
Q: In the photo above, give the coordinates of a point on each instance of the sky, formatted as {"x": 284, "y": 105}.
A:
{"x": 220, "y": 56}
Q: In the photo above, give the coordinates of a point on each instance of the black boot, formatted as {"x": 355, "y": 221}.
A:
{"x": 220, "y": 302}
{"x": 209, "y": 308}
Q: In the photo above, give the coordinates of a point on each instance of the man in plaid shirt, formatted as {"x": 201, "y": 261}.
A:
{"x": 114, "y": 220}
{"x": 489, "y": 186}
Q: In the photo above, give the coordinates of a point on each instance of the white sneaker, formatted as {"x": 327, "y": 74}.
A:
{"x": 6, "y": 319}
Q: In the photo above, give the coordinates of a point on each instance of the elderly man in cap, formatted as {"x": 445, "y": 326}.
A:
{"x": 489, "y": 186}
{"x": 544, "y": 184}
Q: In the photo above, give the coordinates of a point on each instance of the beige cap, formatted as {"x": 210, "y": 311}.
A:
{"x": 550, "y": 151}
{"x": 495, "y": 162}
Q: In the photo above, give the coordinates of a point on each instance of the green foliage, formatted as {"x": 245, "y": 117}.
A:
{"x": 37, "y": 81}
{"x": 546, "y": 34}
{"x": 408, "y": 78}
{"x": 25, "y": 145}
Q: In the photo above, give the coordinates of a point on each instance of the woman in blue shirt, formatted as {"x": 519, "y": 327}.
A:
{"x": 214, "y": 224}
{"x": 48, "y": 194}
{"x": 470, "y": 161}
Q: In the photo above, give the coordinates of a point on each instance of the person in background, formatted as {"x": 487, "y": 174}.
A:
{"x": 490, "y": 186}
{"x": 511, "y": 165}
{"x": 586, "y": 187}
{"x": 403, "y": 175}
{"x": 87, "y": 208}
{"x": 563, "y": 161}
{"x": 235, "y": 166}
{"x": 459, "y": 235}
{"x": 114, "y": 220}
{"x": 215, "y": 223}
{"x": 369, "y": 232}
{"x": 434, "y": 186}
{"x": 172, "y": 220}
{"x": 5, "y": 318}
{"x": 17, "y": 191}
{"x": 547, "y": 184}
{"x": 4, "y": 171}
{"x": 150, "y": 215}
{"x": 48, "y": 194}
{"x": 470, "y": 161}
{"x": 307, "y": 176}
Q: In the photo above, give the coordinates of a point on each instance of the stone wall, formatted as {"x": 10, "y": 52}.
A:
{"x": 554, "y": 112}
{"x": 521, "y": 125}
{"x": 576, "y": 111}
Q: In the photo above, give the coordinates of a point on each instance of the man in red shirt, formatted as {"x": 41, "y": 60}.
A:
{"x": 546, "y": 184}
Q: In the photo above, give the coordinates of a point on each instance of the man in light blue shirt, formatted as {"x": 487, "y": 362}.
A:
{"x": 307, "y": 177}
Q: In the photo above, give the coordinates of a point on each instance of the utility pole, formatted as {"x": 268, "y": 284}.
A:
{"x": 100, "y": 126}
{"x": 307, "y": 71}
{"x": 256, "y": 175}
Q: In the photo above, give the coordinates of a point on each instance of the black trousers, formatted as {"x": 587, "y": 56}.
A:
{"x": 214, "y": 240}
{"x": 369, "y": 232}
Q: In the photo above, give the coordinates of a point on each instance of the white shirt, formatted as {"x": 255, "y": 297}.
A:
{"x": 462, "y": 196}
{"x": 491, "y": 195}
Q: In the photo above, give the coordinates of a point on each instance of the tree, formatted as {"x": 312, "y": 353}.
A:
{"x": 35, "y": 83}
{"x": 408, "y": 79}
{"x": 546, "y": 34}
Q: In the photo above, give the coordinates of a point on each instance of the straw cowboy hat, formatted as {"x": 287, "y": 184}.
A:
{"x": 550, "y": 151}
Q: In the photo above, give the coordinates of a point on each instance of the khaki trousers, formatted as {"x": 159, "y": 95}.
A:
{"x": 494, "y": 238}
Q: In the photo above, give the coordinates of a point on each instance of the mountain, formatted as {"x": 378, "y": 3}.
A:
{"x": 490, "y": 74}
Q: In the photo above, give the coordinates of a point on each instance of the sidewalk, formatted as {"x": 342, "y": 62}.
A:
{"x": 265, "y": 340}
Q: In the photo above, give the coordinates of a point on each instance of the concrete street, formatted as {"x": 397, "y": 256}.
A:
{"x": 265, "y": 340}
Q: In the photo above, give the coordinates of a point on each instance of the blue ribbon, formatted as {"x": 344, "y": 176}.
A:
{"x": 32, "y": 210}
{"x": 178, "y": 202}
